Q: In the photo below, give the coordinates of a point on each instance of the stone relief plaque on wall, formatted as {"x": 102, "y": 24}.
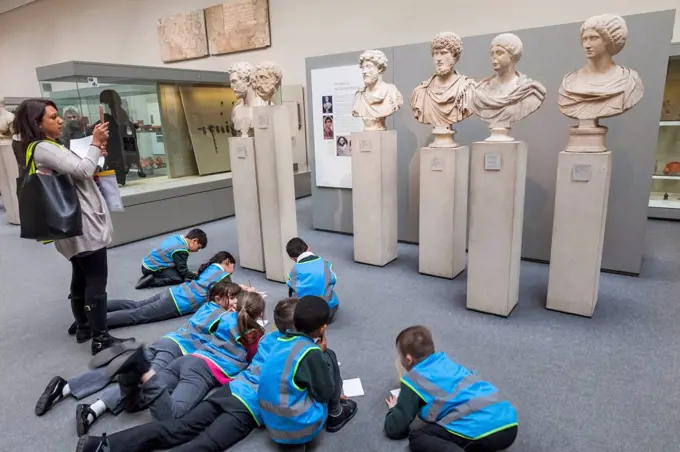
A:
{"x": 237, "y": 26}
{"x": 183, "y": 36}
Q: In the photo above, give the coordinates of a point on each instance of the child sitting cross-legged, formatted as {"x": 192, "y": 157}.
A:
{"x": 218, "y": 422}
{"x": 311, "y": 275}
{"x": 462, "y": 411}
{"x": 300, "y": 384}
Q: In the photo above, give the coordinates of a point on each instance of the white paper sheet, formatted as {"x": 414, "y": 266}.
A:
{"x": 352, "y": 387}
{"x": 80, "y": 147}
{"x": 396, "y": 392}
{"x": 263, "y": 323}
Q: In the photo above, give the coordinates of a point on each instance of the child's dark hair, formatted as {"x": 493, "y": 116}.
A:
{"x": 217, "y": 259}
{"x": 415, "y": 341}
{"x": 199, "y": 235}
{"x": 250, "y": 307}
{"x": 311, "y": 313}
{"x": 295, "y": 247}
{"x": 224, "y": 289}
{"x": 283, "y": 314}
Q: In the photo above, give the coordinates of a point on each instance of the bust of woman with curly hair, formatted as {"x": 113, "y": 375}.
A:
{"x": 601, "y": 88}
{"x": 376, "y": 99}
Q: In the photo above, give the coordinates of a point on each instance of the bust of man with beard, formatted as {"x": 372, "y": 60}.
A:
{"x": 240, "y": 79}
{"x": 266, "y": 81}
{"x": 376, "y": 99}
{"x": 444, "y": 98}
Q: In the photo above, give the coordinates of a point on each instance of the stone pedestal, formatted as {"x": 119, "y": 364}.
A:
{"x": 8, "y": 181}
{"x": 581, "y": 199}
{"x": 276, "y": 187}
{"x": 374, "y": 196}
{"x": 443, "y": 210}
{"x": 246, "y": 203}
{"x": 497, "y": 185}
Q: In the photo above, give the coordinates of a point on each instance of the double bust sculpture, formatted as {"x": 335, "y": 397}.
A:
{"x": 254, "y": 86}
{"x": 599, "y": 89}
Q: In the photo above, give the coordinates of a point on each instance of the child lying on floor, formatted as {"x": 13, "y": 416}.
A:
{"x": 217, "y": 423}
{"x": 187, "y": 339}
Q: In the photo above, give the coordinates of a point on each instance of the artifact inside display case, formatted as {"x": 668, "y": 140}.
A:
{"x": 666, "y": 179}
{"x": 135, "y": 148}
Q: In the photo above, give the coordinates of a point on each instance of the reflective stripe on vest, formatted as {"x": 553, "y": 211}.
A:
{"x": 244, "y": 387}
{"x": 223, "y": 349}
{"x": 457, "y": 399}
{"x": 283, "y": 409}
{"x": 327, "y": 293}
{"x": 161, "y": 257}
{"x": 196, "y": 331}
{"x": 191, "y": 295}
{"x": 442, "y": 398}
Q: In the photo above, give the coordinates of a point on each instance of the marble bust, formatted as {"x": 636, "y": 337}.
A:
{"x": 600, "y": 88}
{"x": 376, "y": 99}
{"x": 267, "y": 80}
{"x": 509, "y": 95}
{"x": 241, "y": 81}
{"x": 6, "y": 120}
{"x": 443, "y": 99}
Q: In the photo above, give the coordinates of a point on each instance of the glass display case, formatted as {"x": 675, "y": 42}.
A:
{"x": 196, "y": 116}
{"x": 665, "y": 193}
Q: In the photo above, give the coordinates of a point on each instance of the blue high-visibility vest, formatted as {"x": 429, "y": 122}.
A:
{"x": 290, "y": 414}
{"x": 314, "y": 277}
{"x": 191, "y": 295}
{"x": 224, "y": 350}
{"x": 244, "y": 386}
{"x": 457, "y": 399}
{"x": 161, "y": 257}
{"x": 196, "y": 331}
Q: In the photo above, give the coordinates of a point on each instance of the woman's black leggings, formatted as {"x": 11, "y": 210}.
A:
{"x": 88, "y": 285}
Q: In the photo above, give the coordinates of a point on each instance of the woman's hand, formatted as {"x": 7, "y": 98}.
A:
{"x": 100, "y": 135}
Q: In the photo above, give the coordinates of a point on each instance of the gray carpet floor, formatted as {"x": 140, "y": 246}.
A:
{"x": 609, "y": 383}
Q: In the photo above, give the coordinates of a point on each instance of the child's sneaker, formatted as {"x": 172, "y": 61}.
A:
{"x": 335, "y": 423}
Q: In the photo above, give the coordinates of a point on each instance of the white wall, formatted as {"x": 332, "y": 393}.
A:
{"x": 124, "y": 31}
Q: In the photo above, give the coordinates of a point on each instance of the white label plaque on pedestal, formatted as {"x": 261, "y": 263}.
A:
{"x": 246, "y": 203}
{"x": 578, "y": 231}
{"x": 374, "y": 197}
{"x": 496, "y": 213}
{"x": 276, "y": 187}
{"x": 443, "y": 211}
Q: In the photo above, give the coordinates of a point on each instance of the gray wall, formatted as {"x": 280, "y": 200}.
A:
{"x": 549, "y": 53}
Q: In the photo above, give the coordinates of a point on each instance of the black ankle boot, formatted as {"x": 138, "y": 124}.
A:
{"x": 96, "y": 314}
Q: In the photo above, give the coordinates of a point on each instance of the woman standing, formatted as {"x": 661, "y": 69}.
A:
{"x": 37, "y": 120}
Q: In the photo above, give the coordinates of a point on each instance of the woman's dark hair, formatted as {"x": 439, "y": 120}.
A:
{"x": 216, "y": 259}
{"x": 249, "y": 306}
{"x": 343, "y": 139}
{"x": 27, "y": 118}
{"x": 225, "y": 289}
